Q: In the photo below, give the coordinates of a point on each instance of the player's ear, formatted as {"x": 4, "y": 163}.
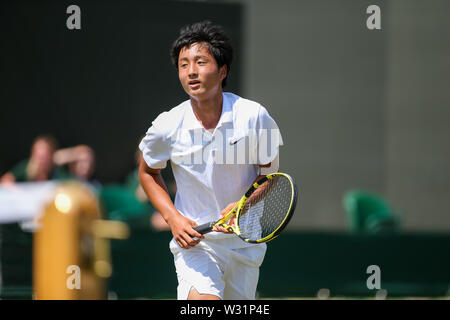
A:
{"x": 223, "y": 72}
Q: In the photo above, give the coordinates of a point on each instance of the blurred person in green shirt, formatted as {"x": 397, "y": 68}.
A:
{"x": 39, "y": 166}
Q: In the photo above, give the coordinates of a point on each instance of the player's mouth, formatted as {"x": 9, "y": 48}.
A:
{"x": 194, "y": 84}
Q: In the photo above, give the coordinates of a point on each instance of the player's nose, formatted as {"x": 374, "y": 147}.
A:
{"x": 192, "y": 72}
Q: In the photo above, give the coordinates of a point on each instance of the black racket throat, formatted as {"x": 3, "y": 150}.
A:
{"x": 252, "y": 188}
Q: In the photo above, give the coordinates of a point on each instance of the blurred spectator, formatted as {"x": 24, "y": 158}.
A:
{"x": 80, "y": 161}
{"x": 40, "y": 166}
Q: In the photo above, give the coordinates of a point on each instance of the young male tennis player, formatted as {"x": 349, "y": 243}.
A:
{"x": 211, "y": 141}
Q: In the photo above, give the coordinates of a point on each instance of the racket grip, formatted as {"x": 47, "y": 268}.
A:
{"x": 205, "y": 228}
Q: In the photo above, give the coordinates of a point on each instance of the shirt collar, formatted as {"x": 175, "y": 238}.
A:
{"x": 190, "y": 122}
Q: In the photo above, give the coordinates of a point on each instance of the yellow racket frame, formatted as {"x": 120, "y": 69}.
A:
{"x": 237, "y": 210}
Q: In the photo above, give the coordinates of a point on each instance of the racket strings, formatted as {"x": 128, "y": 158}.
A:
{"x": 266, "y": 208}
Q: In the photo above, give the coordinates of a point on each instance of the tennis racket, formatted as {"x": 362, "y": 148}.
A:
{"x": 263, "y": 212}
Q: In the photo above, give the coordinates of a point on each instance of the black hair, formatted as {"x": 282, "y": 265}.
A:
{"x": 217, "y": 43}
{"x": 48, "y": 138}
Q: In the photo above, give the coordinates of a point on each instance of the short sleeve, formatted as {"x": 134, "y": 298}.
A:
{"x": 155, "y": 148}
{"x": 269, "y": 138}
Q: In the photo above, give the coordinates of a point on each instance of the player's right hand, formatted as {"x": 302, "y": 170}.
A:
{"x": 183, "y": 232}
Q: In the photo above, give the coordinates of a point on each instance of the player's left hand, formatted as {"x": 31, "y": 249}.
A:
{"x": 231, "y": 222}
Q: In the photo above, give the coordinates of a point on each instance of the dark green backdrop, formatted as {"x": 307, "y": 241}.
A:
{"x": 101, "y": 85}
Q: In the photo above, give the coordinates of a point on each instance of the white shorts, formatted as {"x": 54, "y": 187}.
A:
{"x": 221, "y": 264}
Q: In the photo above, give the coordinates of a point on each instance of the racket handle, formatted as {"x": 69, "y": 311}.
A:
{"x": 205, "y": 228}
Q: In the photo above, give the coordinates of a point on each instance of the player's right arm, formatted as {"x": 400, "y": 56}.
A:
{"x": 156, "y": 190}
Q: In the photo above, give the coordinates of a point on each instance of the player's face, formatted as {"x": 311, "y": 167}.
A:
{"x": 198, "y": 72}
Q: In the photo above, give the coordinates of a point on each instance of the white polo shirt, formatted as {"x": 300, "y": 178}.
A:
{"x": 212, "y": 169}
